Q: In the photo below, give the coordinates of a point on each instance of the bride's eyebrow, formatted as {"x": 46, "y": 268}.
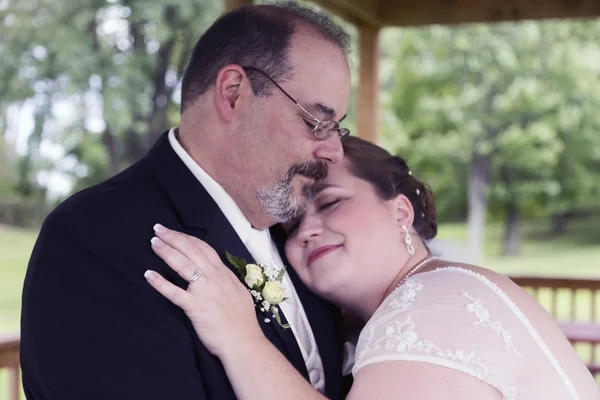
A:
{"x": 319, "y": 187}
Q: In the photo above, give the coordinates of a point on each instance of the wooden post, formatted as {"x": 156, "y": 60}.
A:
{"x": 231, "y": 4}
{"x": 368, "y": 90}
{"x": 14, "y": 383}
{"x": 9, "y": 358}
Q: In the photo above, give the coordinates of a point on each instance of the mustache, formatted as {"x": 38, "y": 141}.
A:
{"x": 316, "y": 170}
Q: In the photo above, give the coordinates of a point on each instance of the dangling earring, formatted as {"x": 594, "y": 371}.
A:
{"x": 408, "y": 241}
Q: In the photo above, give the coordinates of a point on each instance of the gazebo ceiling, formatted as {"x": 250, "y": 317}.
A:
{"x": 369, "y": 16}
{"x": 424, "y": 12}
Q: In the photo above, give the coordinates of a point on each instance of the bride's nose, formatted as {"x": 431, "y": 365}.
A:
{"x": 310, "y": 227}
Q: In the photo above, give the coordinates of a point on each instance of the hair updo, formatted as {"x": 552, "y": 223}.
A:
{"x": 391, "y": 176}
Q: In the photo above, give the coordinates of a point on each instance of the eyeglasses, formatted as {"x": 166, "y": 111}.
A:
{"x": 322, "y": 130}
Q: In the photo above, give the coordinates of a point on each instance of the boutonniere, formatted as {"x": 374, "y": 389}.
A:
{"x": 265, "y": 285}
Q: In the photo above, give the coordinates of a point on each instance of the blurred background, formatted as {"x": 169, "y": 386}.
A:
{"x": 499, "y": 113}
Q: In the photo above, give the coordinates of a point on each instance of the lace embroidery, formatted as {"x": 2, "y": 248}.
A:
{"x": 402, "y": 341}
{"x": 401, "y": 337}
{"x": 483, "y": 316}
{"x": 367, "y": 347}
{"x": 411, "y": 287}
{"x": 511, "y": 393}
{"x": 532, "y": 331}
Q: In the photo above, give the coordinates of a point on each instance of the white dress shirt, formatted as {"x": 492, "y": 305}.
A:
{"x": 264, "y": 251}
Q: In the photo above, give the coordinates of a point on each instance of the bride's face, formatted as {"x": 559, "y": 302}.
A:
{"x": 344, "y": 244}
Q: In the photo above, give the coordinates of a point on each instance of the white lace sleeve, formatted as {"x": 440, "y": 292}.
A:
{"x": 458, "y": 319}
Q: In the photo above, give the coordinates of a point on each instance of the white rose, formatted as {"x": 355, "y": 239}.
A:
{"x": 273, "y": 293}
{"x": 254, "y": 276}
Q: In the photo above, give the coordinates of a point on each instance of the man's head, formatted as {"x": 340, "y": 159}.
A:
{"x": 259, "y": 81}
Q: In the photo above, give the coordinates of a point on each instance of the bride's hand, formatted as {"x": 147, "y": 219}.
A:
{"x": 219, "y": 306}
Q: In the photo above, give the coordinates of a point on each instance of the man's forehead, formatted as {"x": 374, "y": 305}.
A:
{"x": 322, "y": 77}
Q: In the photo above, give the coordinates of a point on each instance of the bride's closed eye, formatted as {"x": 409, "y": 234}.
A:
{"x": 329, "y": 204}
{"x": 292, "y": 226}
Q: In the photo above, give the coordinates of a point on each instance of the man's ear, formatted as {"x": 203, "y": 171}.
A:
{"x": 403, "y": 211}
{"x": 229, "y": 86}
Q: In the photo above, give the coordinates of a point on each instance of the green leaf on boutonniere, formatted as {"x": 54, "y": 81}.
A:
{"x": 280, "y": 275}
{"x": 238, "y": 263}
{"x": 257, "y": 273}
{"x": 275, "y": 312}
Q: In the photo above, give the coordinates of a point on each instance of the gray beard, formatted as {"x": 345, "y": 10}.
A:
{"x": 278, "y": 200}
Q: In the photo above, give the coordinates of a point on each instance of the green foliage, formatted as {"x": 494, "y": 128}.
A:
{"x": 6, "y": 168}
{"x": 22, "y": 200}
{"x": 238, "y": 263}
{"x": 523, "y": 95}
{"x": 281, "y": 274}
{"x": 120, "y": 58}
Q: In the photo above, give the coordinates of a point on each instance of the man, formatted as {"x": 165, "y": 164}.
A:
{"x": 261, "y": 100}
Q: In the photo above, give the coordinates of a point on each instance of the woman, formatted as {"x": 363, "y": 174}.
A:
{"x": 434, "y": 330}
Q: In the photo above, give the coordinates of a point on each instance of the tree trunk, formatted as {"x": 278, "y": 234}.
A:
{"x": 110, "y": 144}
{"x": 559, "y": 224}
{"x": 479, "y": 176}
{"x": 161, "y": 96}
{"x": 512, "y": 232}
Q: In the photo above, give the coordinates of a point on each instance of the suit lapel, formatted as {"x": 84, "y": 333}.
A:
{"x": 222, "y": 237}
{"x": 197, "y": 209}
{"x": 191, "y": 201}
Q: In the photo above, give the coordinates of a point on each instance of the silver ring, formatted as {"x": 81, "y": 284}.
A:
{"x": 197, "y": 274}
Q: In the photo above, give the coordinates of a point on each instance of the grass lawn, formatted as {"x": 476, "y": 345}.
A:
{"x": 15, "y": 249}
{"x": 575, "y": 254}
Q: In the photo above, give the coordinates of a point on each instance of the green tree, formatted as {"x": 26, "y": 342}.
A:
{"x": 116, "y": 64}
{"x": 480, "y": 106}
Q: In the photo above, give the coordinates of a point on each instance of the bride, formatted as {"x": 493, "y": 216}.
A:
{"x": 434, "y": 329}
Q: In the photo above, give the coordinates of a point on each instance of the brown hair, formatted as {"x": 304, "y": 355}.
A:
{"x": 259, "y": 36}
{"x": 390, "y": 176}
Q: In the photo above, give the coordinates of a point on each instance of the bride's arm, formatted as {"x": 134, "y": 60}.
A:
{"x": 257, "y": 370}
{"x": 418, "y": 381}
{"x": 222, "y": 312}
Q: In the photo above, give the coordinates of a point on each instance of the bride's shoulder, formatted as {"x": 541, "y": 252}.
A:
{"x": 463, "y": 273}
{"x": 465, "y": 269}
{"x": 450, "y": 280}
{"x": 449, "y": 284}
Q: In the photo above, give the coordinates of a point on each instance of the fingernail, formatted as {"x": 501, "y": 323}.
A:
{"x": 156, "y": 242}
{"x": 159, "y": 228}
{"x": 150, "y": 275}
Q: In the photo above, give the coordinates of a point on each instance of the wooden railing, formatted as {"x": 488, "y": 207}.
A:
{"x": 566, "y": 285}
{"x": 574, "y": 303}
{"x": 9, "y": 358}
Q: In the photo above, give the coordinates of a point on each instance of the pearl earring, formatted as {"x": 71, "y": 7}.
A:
{"x": 408, "y": 241}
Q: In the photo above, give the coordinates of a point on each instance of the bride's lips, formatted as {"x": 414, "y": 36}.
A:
{"x": 320, "y": 252}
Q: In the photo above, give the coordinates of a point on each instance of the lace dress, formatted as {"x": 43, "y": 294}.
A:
{"x": 459, "y": 319}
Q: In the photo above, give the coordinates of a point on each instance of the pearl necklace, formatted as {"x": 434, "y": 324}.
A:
{"x": 416, "y": 268}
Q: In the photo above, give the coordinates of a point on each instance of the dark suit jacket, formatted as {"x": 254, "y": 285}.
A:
{"x": 93, "y": 328}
